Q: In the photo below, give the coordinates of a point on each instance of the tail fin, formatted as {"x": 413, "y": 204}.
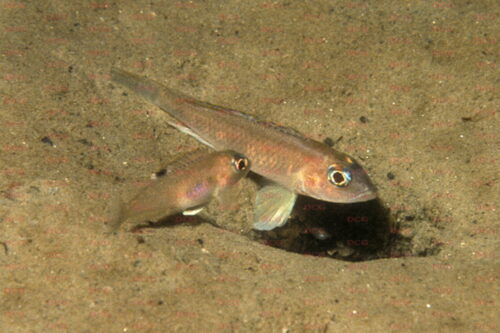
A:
{"x": 165, "y": 98}
{"x": 140, "y": 85}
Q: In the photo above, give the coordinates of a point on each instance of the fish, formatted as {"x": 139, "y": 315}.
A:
{"x": 187, "y": 185}
{"x": 291, "y": 163}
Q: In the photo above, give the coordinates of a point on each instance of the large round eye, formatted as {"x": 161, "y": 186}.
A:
{"x": 240, "y": 162}
{"x": 338, "y": 176}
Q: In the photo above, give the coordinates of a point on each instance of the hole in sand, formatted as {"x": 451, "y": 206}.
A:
{"x": 351, "y": 232}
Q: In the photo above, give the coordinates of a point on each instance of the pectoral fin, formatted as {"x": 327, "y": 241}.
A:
{"x": 273, "y": 206}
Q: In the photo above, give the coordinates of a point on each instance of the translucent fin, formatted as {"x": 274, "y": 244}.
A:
{"x": 273, "y": 206}
{"x": 184, "y": 129}
{"x": 146, "y": 88}
{"x": 193, "y": 211}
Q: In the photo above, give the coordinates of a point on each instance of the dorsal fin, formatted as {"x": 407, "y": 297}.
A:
{"x": 283, "y": 129}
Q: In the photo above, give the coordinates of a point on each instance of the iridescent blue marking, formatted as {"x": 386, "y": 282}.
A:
{"x": 198, "y": 190}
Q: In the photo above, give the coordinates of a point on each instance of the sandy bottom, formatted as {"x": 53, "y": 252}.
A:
{"x": 408, "y": 88}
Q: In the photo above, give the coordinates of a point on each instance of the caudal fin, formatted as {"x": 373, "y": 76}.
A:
{"x": 140, "y": 85}
{"x": 152, "y": 91}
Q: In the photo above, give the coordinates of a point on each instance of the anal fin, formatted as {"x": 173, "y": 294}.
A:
{"x": 184, "y": 129}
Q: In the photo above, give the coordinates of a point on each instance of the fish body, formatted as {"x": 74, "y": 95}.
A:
{"x": 188, "y": 184}
{"x": 295, "y": 164}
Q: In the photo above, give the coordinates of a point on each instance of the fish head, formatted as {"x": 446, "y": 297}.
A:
{"x": 336, "y": 177}
{"x": 230, "y": 167}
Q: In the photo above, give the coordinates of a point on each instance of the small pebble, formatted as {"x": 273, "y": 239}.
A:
{"x": 47, "y": 140}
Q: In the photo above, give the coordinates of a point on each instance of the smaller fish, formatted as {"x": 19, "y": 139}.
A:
{"x": 187, "y": 186}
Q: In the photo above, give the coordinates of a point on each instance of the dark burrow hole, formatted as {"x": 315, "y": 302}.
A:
{"x": 350, "y": 232}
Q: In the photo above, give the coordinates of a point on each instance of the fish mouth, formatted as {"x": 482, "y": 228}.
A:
{"x": 365, "y": 196}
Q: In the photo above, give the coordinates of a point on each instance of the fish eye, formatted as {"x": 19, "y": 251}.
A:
{"x": 240, "y": 162}
{"x": 338, "y": 176}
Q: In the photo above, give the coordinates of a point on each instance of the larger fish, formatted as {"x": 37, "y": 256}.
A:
{"x": 189, "y": 184}
{"x": 295, "y": 164}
